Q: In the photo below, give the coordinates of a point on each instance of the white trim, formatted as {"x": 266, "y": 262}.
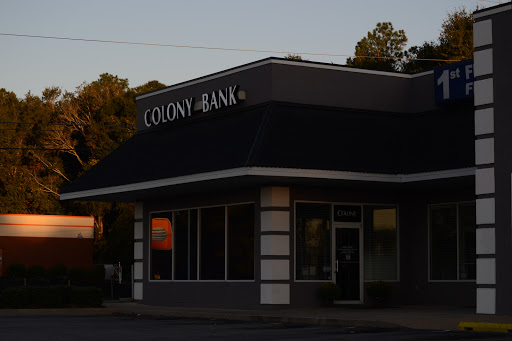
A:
{"x": 486, "y": 271}
{"x": 486, "y": 301}
{"x": 484, "y": 151}
{"x": 482, "y": 33}
{"x": 485, "y": 211}
{"x": 273, "y": 293}
{"x": 485, "y": 241}
{"x": 483, "y": 64}
{"x": 282, "y": 62}
{"x": 484, "y": 121}
{"x": 138, "y": 291}
{"x": 484, "y": 91}
{"x": 138, "y": 229}
{"x": 275, "y": 221}
{"x": 275, "y": 270}
{"x": 484, "y": 181}
{"x": 277, "y": 172}
{"x": 492, "y": 11}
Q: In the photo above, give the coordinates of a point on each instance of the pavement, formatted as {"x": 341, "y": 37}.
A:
{"x": 415, "y": 317}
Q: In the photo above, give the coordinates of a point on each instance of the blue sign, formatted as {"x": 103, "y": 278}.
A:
{"x": 454, "y": 82}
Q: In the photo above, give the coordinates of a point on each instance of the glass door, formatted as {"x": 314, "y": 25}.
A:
{"x": 347, "y": 262}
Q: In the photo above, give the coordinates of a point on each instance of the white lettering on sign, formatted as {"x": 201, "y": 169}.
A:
{"x": 456, "y": 82}
{"x": 220, "y": 98}
{"x": 178, "y": 110}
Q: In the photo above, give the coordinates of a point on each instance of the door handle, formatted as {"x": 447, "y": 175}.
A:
{"x": 336, "y": 265}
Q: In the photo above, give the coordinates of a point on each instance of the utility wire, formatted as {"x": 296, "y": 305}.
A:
{"x": 218, "y": 48}
{"x": 66, "y": 124}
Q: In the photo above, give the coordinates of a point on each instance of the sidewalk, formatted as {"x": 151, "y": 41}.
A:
{"x": 415, "y": 317}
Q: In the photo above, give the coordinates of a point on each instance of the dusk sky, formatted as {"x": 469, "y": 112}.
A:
{"x": 322, "y": 26}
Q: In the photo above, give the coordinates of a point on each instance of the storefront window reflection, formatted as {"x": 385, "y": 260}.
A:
{"x": 380, "y": 243}
{"x": 313, "y": 247}
{"x": 191, "y": 244}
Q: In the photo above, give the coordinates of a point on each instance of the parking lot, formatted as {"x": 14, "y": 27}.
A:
{"x": 132, "y": 327}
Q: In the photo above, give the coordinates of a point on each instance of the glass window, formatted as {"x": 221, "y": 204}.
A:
{"x": 184, "y": 244}
{"x": 380, "y": 243}
{"x": 161, "y": 245}
{"x": 240, "y": 242}
{"x": 213, "y": 240}
{"x": 313, "y": 241}
{"x": 453, "y": 241}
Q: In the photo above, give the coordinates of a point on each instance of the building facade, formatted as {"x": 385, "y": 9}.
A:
{"x": 45, "y": 240}
{"x": 255, "y": 185}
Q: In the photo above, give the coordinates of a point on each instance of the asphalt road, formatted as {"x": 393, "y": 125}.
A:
{"x": 126, "y": 328}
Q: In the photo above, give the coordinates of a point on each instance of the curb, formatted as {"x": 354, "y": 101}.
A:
{"x": 486, "y": 327}
{"x": 265, "y": 318}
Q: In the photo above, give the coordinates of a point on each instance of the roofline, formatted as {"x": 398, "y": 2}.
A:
{"x": 281, "y": 61}
{"x": 492, "y": 10}
{"x": 274, "y": 172}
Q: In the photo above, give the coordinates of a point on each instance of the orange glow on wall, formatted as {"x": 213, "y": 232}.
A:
{"x": 161, "y": 234}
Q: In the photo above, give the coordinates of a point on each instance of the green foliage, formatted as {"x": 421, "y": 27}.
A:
{"x": 454, "y": 43}
{"x": 379, "y": 289}
{"x": 290, "y": 56}
{"x": 86, "y": 297}
{"x": 328, "y": 291}
{"x": 50, "y": 297}
{"x": 77, "y": 274}
{"x": 36, "y": 272}
{"x": 97, "y": 274}
{"x": 385, "y": 47}
{"x": 16, "y": 270}
{"x": 58, "y": 271}
{"x": 49, "y": 141}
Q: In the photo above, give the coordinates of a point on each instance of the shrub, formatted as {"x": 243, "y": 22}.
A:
{"x": 14, "y": 297}
{"x": 17, "y": 270}
{"x": 58, "y": 271}
{"x": 328, "y": 291}
{"x": 86, "y": 297}
{"x": 50, "y": 297}
{"x": 97, "y": 274}
{"x": 77, "y": 274}
{"x": 379, "y": 289}
{"x": 36, "y": 272}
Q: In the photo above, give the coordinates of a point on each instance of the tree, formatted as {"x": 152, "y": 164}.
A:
{"x": 383, "y": 45}
{"x": 454, "y": 43}
{"x": 48, "y": 141}
{"x": 291, "y": 56}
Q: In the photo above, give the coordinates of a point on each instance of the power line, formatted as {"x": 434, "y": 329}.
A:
{"x": 219, "y": 48}
{"x": 66, "y": 124}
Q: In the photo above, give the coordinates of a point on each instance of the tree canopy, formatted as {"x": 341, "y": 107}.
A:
{"x": 383, "y": 45}
{"x": 386, "y": 46}
{"x": 455, "y": 42}
{"x": 48, "y": 141}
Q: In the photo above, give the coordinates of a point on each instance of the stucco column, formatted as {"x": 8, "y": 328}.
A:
{"x": 138, "y": 254}
{"x": 275, "y": 245}
{"x": 484, "y": 176}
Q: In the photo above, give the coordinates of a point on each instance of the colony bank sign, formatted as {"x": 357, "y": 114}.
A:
{"x": 210, "y": 101}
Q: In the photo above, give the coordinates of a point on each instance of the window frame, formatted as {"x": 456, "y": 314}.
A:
{"x": 225, "y": 206}
{"x": 429, "y": 246}
{"x": 333, "y": 227}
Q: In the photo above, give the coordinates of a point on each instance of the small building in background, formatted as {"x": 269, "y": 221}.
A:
{"x": 45, "y": 240}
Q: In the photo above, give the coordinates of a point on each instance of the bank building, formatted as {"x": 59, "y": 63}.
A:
{"x": 254, "y": 185}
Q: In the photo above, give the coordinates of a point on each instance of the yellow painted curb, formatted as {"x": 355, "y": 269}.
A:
{"x": 486, "y": 327}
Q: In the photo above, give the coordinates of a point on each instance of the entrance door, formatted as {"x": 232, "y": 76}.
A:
{"x": 348, "y": 264}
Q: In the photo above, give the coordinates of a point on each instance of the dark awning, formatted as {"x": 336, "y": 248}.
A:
{"x": 268, "y": 140}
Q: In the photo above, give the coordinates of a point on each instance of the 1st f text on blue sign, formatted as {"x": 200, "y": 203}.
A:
{"x": 454, "y": 82}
